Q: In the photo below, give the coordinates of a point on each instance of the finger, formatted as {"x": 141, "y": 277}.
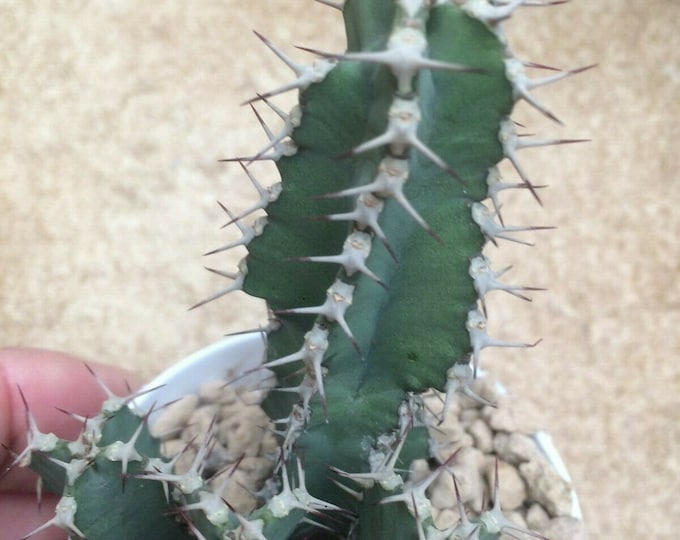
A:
{"x": 19, "y": 515}
{"x": 47, "y": 380}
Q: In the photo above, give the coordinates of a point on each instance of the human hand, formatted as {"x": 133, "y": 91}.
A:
{"x": 47, "y": 380}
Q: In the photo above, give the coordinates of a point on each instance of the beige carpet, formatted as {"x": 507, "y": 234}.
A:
{"x": 112, "y": 116}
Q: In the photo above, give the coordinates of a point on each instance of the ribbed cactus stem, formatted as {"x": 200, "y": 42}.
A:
{"x": 405, "y": 167}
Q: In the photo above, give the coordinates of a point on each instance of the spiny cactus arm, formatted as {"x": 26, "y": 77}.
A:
{"x": 116, "y": 464}
{"x": 410, "y": 145}
{"x": 88, "y": 475}
{"x": 376, "y": 353}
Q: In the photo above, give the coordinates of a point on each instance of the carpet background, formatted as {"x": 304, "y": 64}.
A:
{"x": 113, "y": 114}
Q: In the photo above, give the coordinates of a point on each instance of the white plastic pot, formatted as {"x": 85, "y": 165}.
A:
{"x": 225, "y": 360}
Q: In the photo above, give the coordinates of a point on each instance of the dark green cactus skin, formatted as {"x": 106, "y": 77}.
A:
{"x": 130, "y": 502}
{"x": 406, "y": 331}
{"x": 411, "y": 333}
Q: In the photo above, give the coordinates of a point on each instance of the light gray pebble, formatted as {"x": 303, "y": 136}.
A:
{"x": 445, "y": 518}
{"x": 240, "y": 434}
{"x": 512, "y": 489}
{"x": 536, "y": 516}
{"x": 172, "y": 447}
{"x": 499, "y": 418}
{"x": 213, "y": 392}
{"x": 470, "y": 486}
{"x": 516, "y": 518}
{"x": 516, "y": 448}
{"x": 443, "y": 450}
{"x": 518, "y": 521}
{"x": 185, "y": 454}
{"x": 468, "y": 416}
{"x": 547, "y": 487}
{"x": 235, "y": 487}
{"x": 174, "y": 417}
{"x": 442, "y": 492}
{"x": 468, "y": 468}
{"x": 449, "y": 436}
{"x": 482, "y": 435}
{"x": 254, "y": 465}
{"x": 200, "y": 422}
{"x": 452, "y": 433}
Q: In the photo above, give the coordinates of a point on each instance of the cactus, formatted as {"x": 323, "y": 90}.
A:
{"x": 370, "y": 260}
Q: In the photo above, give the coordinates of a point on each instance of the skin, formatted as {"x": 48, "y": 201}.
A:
{"x": 48, "y": 380}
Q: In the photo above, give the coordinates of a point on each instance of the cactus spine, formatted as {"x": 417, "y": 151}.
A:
{"x": 370, "y": 259}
